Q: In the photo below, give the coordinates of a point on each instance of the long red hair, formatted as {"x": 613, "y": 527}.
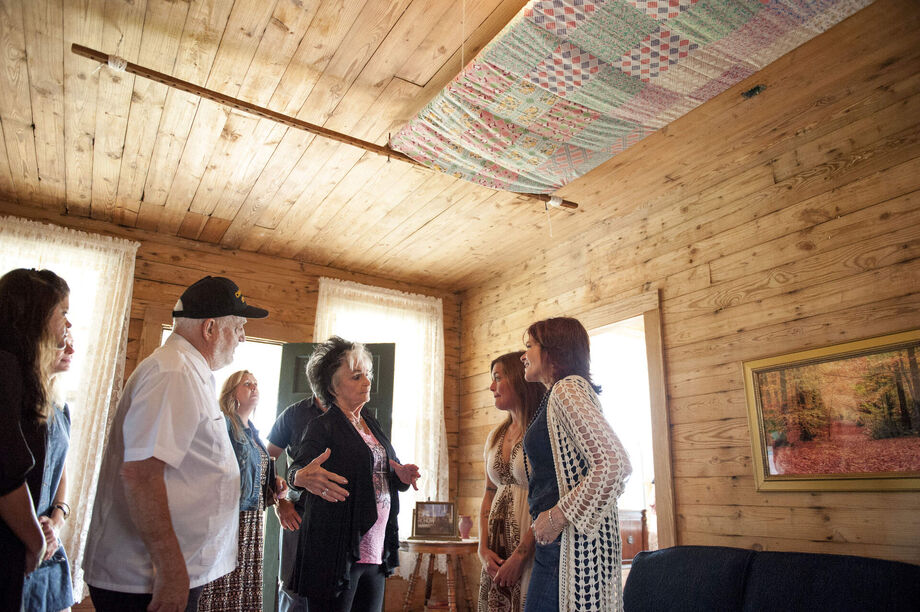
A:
{"x": 565, "y": 345}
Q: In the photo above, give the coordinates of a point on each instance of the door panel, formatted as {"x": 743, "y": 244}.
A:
{"x": 380, "y": 405}
{"x": 292, "y": 387}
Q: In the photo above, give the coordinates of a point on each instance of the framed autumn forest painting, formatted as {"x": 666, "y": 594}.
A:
{"x": 839, "y": 418}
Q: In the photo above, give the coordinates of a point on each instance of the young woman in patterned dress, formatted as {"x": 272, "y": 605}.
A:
{"x": 505, "y": 541}
{"x": 577, "y": 470}
{"x": 241, "y": 589}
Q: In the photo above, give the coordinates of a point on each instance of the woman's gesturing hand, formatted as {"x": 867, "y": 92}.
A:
{"x": 408, "y": 473}
{"x": 321, "y": 482}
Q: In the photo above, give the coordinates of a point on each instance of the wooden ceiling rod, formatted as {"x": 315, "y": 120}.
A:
{"x": 259, "y": 111}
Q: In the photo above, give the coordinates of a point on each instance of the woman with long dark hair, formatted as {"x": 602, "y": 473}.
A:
{"x": 578, "y": 469}
{"x": 33, "y": 326}
{"x": 506, "y": 542}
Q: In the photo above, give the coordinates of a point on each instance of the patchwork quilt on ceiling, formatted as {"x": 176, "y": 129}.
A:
{"x": 569, "y": 84}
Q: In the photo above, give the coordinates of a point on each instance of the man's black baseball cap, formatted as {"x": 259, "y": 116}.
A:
{"x": 215, "y": 296}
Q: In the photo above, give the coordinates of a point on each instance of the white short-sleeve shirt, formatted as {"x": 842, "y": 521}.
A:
{"x": 169, "y": 411}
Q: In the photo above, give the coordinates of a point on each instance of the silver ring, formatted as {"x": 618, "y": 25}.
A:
{"x": 324, "y": 492}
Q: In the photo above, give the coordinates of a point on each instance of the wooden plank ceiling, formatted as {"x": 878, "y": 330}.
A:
{"x": 89, "y": 141}
{"x": 84, "y": 140}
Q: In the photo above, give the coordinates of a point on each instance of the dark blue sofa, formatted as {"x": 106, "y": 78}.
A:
{"x": 717, "y": 578}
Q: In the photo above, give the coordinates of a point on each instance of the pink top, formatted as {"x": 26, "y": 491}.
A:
{"x": 372, "y": 541}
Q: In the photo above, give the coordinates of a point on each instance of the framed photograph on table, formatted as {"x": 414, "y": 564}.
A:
{"x": 434, "y": 521}
{"x": 839, "y": 418}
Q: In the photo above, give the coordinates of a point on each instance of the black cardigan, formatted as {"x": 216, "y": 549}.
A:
{"x": 331, "y": 532}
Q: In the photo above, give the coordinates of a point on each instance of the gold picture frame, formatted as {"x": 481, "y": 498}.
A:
{"x": 839, "y": 418}
{"x": 435, "y": 521}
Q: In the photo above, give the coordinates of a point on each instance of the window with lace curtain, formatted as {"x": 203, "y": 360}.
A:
{"x": 100, "y": 273}
{"x": 415, "y": 323}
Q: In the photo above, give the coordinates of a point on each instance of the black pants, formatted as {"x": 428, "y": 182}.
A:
{"x": 365, "y": 593}
{"x": 115, "y": 601}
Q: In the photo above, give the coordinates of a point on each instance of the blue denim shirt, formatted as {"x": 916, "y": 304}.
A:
{"x": 543, "y": 490}
{"x": 249, "y": 458}
{"x": 49, "y": 587}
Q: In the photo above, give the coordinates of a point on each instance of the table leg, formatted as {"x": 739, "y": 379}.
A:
{"x": 451, "y": 584}
{"x": 429, "y": 580}
{"x": 466, "y": 583}
{"x": 412, "y": 580}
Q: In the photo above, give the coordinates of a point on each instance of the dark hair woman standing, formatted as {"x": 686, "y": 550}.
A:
{"x": 33, "y": 327}
{"x": 578, "y": 469}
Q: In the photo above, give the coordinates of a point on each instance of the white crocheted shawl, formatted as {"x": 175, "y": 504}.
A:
{"x": 591, "y": 471}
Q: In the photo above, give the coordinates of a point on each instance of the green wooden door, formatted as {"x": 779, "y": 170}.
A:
{"x": 293, "y": 387}
{"x": 380, "y": 405}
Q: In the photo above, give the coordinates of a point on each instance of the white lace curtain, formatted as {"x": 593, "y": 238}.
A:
{"x": 100, "y": 272}
{"x": 416, "y": 324}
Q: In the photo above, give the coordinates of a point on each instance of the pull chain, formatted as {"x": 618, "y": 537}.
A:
{"x": 463, "y": 36}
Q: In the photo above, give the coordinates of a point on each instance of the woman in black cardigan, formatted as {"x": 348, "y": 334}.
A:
{"x": 348, "y": 536}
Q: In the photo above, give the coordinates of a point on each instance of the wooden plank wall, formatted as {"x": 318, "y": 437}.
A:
{"x": 785, "y": 222}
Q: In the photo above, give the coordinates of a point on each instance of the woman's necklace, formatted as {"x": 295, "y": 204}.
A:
{"x": 543, "y": 406}
{"x": 355, "y": 419}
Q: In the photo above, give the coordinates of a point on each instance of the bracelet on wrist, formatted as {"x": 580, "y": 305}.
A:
{"x": 64, "y": 507}
{"x": 552, "y": 523}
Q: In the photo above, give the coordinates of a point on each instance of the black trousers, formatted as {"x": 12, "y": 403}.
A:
{"x": 365, "y": 593}
{"x": 115, "y": 601}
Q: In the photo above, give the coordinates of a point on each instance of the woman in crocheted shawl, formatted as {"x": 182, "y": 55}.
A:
{"x": 577, "y": 469}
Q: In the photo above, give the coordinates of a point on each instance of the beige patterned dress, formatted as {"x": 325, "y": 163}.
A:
{"x": 508, "y": 519}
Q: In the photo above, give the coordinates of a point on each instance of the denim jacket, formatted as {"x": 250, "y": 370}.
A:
{"x": 250, "y": 462}
{"x": 49, "y": 587}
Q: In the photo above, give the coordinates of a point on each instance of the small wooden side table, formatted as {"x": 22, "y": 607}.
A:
{"x": 453, "y": 551}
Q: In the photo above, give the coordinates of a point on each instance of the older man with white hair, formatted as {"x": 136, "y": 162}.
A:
{"x": 165, "y": 520}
